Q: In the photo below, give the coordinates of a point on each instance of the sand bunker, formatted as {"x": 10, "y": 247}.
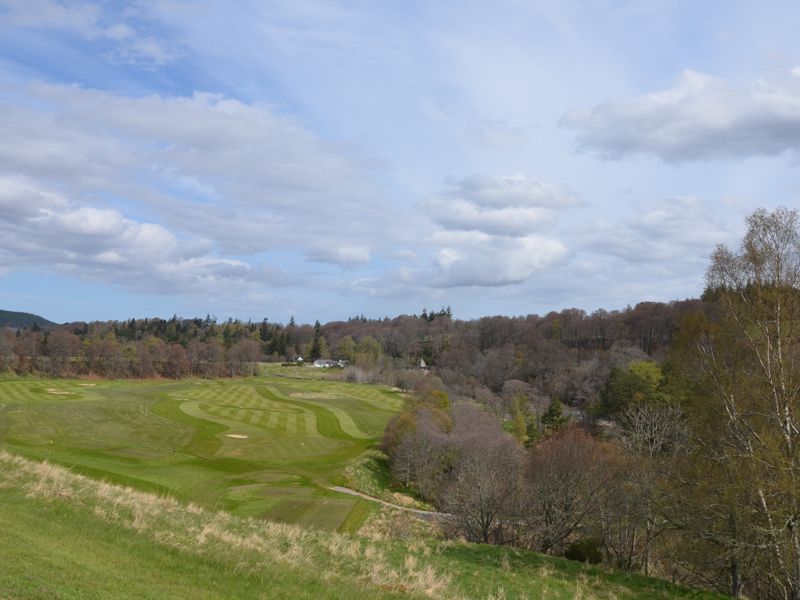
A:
{"x": 58, "y": 392}
{"x": 87, "y": 384}
{"x": 237, "y": 436}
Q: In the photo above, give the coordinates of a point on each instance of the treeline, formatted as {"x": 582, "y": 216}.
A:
{"x": 565, "y": 354}
{"x": 688, "y": 469}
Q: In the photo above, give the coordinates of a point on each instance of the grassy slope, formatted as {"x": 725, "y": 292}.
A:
{"x": 68, "y": 536}
{"x": 173, "y": 438}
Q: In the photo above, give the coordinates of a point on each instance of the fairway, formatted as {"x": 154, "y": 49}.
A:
{"x": 262, "y": 447}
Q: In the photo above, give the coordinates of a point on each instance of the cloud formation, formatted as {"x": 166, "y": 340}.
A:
{"x": 242, "y": 177}
{"x": 666, "y": 232}
{"x": 40, "y": 228}
{"x": 511, "y": 206}
{"x": 699, "y": 118}
{"x": 476, "y": 259}
{"x": 490, "y": 231}
{"x": 90, "y": 21}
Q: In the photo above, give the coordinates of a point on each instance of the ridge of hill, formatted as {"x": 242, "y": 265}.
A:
{"x": 23, "y": 320}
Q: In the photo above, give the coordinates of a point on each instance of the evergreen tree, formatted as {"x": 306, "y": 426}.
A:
{"x": 554, "y": 418}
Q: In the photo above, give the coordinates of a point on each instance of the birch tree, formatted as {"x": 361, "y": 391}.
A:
{"x": 752, "y": 360}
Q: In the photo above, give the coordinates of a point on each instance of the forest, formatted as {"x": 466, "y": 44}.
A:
{"x": 663, "y": 438}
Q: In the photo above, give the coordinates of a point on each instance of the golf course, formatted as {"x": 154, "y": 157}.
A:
{"x": 222, "y": 489}
{"x": 268, "y": 447}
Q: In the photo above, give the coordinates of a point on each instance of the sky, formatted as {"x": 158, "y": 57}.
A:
{"x": 257, "y": 159}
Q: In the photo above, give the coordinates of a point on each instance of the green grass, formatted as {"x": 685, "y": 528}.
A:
{"x": 69, "y": 536}
{"x": 293, "y": 438}
{"x": 369, "y": 474}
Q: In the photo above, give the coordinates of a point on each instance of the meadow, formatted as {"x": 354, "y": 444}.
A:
{"x": 266, "y": 447}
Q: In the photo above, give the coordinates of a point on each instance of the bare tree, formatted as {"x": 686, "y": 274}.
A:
{"x": 243, "y": 356}
{"x": 176, "y": 365}
{"x": 654, "y": 434}
{"x": 6, "y": 351}
{"x": 62, "y": 346}
{"x": 485, "y": 477}
{"x": 566, "y": 478}
{"x": 421, "y": 455}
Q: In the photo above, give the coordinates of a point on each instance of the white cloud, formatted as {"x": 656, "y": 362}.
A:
{"x": 506, "y": 205}
{"x": 490, "y": 232}
{"x": 341, "y": 254}
{"x": 90, "y": 21}
{"x": 485, "y": 231}
{"x": 80, "y": 17}
{"x": 142, "y": 51}
{"x": 241, "y": 176}
{"x": 54, "y": 234}
{"x": 700, "y": 117}
{"x": 672, "y": 230}
{"x": 477, "y": 259}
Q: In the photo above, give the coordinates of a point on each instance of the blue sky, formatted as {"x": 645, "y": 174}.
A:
{"x": 327, "y": 159}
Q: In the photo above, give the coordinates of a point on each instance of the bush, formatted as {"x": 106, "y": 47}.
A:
{"x": 585, "y": 550}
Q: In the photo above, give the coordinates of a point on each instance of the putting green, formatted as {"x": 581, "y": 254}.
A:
{"x": 267, "y": 446}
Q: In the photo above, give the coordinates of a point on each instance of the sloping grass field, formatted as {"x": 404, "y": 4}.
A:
{"x": 263, "y": 447}
{"x": 65, "y": 535}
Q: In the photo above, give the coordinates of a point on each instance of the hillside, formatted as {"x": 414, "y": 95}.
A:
{"x": 69, "y": 536}
{"x": 23, "y": 320}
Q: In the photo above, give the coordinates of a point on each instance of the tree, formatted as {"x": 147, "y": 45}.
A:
{"x": 484, "y": 478}
{"x": 346, "y": 349}
{"x": 654, "y": 434}
{"x": 177, "y": 364}
{"x": 6, "y": 350}
{"x": 565, "y": 480}
{"x": 748, "y": 359}
{"x": 417, "y": 446}
{"x": 638, "y": 382}
{"x": 61, "y": 347}
{"x": 368, "y": 352}
{"x": 243, "y": 356}
{"x": 553, "y": 418}
{"x": 316, "y": 349}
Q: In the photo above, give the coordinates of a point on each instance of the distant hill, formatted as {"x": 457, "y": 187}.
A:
{"x": 21, "y": 320}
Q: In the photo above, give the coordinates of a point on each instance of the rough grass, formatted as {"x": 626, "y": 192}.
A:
{"x": 294, "y": 438}
{"x": 369, "y": 474}
{"x": 69, "y": 536}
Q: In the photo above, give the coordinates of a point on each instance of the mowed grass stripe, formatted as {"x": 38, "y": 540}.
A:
{"x": 300, "y": 423}
{"x": 291, "y": 423}
{"x": 356, "y": 517}
{"x": 176, "y": 435}
{"x": 327, "y": 423}
{"x": 281, "y": 425}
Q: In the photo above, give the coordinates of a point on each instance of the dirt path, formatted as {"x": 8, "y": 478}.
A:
{"x": 426, "y": 515}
